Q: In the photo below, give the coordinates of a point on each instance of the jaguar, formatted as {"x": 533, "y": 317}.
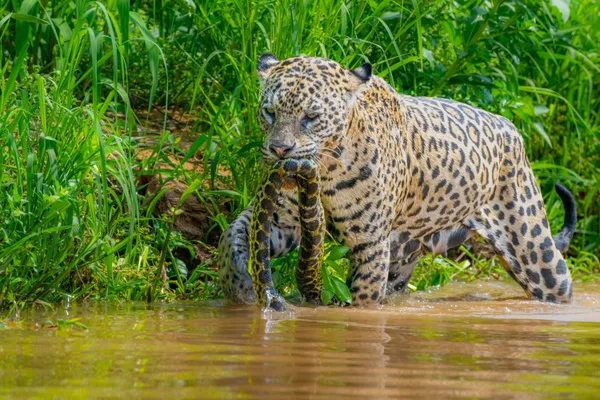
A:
{"x": 399, "y": 176}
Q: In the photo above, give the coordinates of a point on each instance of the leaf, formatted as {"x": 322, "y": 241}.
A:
{"x": 155, "y": 200}
{"x": 340, "y": 289}
{"x": 123, "y": 12}
{"x": 428, "y": 55}
{"x": 5, "y": 19}
{"x": 180, "y": 265}
{"x": 75, "y": 322}
{"x": 326, "y": 296}
{"x": 538, "y": 126}
{"x": 64, "y": 29}
{"x": 391, "y": 15}
{"x": 214, "y": 163}
{"x": 152, "y": 50}
{"x": 436, "y": 278}
{"x": 48, "y": 323}
{"x": 564, "y": 8}
{"x": 327, "y": 292}
{"x": 472, "y": 79}
{"x": 7, "y": 89}
{"x": 225, "y": 192}
{"x": 337, "y": 267}
{"x": 190, "y": 189}
{"x": 191, "y": 5}
{"x": 337, "y": 253}
{"x": 29, "y": 18}
{"x": 194, "y": 147}
{"x": 23, "y": 26}
{"x": 540, "y": 109}
{"x": 120, "y": 90}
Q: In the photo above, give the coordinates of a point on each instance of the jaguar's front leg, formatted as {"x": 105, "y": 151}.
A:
{"x": 369, "y": 271}
{"x": 404, "y": 254}
{"x": 234, "y": 250}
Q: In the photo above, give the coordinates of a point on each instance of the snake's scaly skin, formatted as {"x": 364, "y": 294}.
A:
{"x": 308, "y": 271}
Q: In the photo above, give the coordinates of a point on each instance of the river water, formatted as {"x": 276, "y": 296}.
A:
{"x": 480, "y": 340}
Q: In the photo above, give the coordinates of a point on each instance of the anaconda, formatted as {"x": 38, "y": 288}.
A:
{"x": 305, "y": 174}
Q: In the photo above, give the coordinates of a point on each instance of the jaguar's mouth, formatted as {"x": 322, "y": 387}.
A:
{"x": 298, "y": 153}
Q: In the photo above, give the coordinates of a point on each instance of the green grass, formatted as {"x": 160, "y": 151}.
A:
{"x": 73, "y": 220}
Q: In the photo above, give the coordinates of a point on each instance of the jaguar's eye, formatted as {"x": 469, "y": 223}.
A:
{"x": 311, "y": 115}
{"x": 269, "y": 113}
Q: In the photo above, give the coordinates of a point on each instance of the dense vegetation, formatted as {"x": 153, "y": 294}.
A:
{"x": 77, "y": 78}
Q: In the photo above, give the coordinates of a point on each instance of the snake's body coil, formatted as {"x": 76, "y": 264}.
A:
{"x": 312, "y": 221}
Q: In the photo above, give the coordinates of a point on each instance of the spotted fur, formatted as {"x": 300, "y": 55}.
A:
{"x": 400, "y": 175}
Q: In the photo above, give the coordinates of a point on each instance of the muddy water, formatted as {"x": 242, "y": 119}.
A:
{"x": 478, "y": 340}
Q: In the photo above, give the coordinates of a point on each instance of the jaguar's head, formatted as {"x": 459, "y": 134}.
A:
{"x": 305, "y": 104}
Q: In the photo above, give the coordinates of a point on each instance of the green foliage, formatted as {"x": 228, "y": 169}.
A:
{"x": 73, "y": 220}
{"x": 334, "y": 271}
{"x": 437, "y": 271}
{"x": 64, "y": 324}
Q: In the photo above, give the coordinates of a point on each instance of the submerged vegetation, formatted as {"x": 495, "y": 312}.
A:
{"x": 104, "y": 196}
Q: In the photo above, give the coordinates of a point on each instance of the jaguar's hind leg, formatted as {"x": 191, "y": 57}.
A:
{"x": 515, "y": 223}
{"x": 400, "y": 273}
{"x": 403, "y": 258}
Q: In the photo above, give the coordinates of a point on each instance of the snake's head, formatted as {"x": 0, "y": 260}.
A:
{"x": 278, "y": 305}
{"x": 274, "y": 300}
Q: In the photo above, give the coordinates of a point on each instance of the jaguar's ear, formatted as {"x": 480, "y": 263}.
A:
{"x": 264, "y": 65}
{"x": 362, "y": 73}
{"x": 358, "y": 78}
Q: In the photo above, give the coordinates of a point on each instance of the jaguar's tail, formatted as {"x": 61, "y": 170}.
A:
{"x": 563, "y": 238}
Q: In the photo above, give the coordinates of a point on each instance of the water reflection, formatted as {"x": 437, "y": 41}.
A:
{"x": 437, "y": 344}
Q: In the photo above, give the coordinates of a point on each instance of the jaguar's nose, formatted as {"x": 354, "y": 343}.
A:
{"x": 281, "y": 149}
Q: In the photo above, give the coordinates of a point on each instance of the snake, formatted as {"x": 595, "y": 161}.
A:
{"x": 305, "y": 173}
